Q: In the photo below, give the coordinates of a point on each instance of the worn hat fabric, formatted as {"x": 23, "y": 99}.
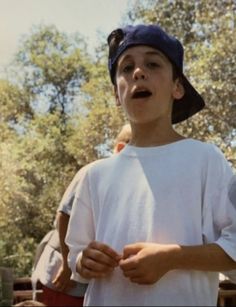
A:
{"x": 154, "y": 36}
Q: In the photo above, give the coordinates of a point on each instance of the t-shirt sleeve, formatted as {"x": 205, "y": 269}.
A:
{"x": 81, "y": 226}
{"x": 65, "y": 205}
{"x": 219, "y": 203}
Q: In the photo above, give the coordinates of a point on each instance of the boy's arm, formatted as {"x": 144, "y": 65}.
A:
{"x": 208, "y": 257}
{"x": 62, "y": 280}
{"x": 62, "y": 224}
{"x": 140, "y": 259}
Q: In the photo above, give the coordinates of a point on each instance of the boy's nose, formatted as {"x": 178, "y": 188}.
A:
{"x": 139, "y": 73}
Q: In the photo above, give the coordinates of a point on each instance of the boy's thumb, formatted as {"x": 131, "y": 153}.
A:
{"x": 131, "y": 250}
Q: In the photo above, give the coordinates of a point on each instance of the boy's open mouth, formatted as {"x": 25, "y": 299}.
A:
{"x": 141, "y": 94}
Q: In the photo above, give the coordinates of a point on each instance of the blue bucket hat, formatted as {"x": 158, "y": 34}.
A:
{"x": 154, "y": 36}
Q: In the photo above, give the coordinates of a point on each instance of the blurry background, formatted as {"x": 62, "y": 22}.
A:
{"x": 57, "y": 109}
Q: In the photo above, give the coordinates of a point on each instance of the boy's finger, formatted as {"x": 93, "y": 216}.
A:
{"x": 93, "y": 265}
{"x": 128, "y": 264}
{"x": 131, "y": 250}
{"x": 105, "y": 249}
{"x": 99, "y": 256}
{"x": 132, "y": 274}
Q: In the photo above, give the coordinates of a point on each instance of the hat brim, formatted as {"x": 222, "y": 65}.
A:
{"x": 190, "y": 104}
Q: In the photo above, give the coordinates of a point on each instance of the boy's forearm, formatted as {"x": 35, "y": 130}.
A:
{"x": 62, "y": 225}
{"x": 208, "y": 257}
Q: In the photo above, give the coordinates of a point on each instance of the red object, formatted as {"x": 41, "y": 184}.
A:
{"x": 58, "y": 299}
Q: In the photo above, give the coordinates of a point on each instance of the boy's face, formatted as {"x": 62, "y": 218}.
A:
{"x": 144, "y": 85}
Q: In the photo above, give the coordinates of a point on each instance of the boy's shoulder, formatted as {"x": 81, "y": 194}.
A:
{"x": 209, "y": 152}
{"x": 99, "y": 164}
{"x": 204, "y": 147}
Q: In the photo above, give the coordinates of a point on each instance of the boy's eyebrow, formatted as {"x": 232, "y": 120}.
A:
{"x": 149, "y": 52}
{"x": 155, "y": 52}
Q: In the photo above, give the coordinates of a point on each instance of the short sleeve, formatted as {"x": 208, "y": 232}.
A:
{"x": 69, "y": 195}
{"x": 81, "y": 225}
{"x": 219, "y": 204}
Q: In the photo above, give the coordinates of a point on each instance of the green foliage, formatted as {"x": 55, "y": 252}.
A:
{"x": 95, "y": 132}
{"x": 17, "y": 256}
{"x": 53, "y": 67}
{"x": 14, "y": 103}
{"x": 42, "y": 162}
{"x": 43, "y": 151}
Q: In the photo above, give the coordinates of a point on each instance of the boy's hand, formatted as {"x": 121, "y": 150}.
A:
{"x": 62, "y": 281}
{"x": 146, "y": 263}
{"x": 98, "y": 260}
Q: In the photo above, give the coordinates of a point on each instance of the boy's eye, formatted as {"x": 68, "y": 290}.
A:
{"x": 153, "y": 64}
{"x": 127, "y": 68}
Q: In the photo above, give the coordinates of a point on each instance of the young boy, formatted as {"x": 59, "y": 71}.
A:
{"x": 52, "y": 269}
{"x": 155, "y": 224}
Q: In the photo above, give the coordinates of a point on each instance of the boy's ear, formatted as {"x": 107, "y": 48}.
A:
{"x": 178, "y": 91}
{"x": 119, "y": 146}
{"x": 117, "y": 96}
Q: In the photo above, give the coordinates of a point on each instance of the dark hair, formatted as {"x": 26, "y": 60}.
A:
{"x": 115, "y": 39}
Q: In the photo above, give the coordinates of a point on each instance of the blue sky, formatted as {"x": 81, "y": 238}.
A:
{"x": 84, "y": 16}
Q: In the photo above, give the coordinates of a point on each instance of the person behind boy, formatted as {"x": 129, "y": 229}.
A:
{"x": 155, "y": 224}
{"x": 52, "y": 268}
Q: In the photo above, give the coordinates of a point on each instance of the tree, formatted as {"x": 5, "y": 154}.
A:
{"x": 53, "y": 143}
{"x": 14, "y": 103}
{"x": 97, "y": 128}
{"x": 53, "y": 67}
{"x": 35, "y": 170}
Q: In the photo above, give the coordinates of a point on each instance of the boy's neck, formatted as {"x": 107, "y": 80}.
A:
{"x": 153, "y": 134}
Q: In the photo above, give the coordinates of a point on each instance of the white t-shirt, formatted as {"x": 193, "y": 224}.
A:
{"x": 69, "y": 195}
{"x": 175, "y": 193}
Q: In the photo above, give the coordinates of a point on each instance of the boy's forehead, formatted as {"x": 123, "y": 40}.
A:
{"x": 141, "y": 50}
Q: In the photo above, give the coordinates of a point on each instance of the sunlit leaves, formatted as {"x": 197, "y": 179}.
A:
{"x": 53, "y": 66}
{"x": 14, "y": 103}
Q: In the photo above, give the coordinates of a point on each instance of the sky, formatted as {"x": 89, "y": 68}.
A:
{"x": 85, "y": 16}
